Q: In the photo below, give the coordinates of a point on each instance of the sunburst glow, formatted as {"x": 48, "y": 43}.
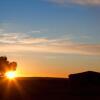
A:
{"x": 10, "y": 75}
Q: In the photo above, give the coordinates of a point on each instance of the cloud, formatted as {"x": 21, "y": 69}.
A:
{"x": 35, "y": 32}
{"x": 32, "y": 40}
{"x": 86, "y": 2}
{"x": 80, "y": 2}
{"x": 20, "y": 38}
{"x": 39, "y": 31}
{"x": 1, "y": 30}
{"x": 82, "y": 49}
{"x": 21, "y": 42}
{"x": 51, "y": 46}
{"x": 8, "y": 38}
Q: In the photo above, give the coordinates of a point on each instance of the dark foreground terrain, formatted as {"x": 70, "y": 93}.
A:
{"x": 75, "y": 88}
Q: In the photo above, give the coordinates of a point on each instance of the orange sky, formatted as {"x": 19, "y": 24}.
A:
{"x": 53, "y": 65}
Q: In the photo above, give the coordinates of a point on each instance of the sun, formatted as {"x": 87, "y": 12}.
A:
{"x": 10, "y": 75}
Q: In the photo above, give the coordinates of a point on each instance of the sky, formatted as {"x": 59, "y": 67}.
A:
{"x": 51, "y": 38}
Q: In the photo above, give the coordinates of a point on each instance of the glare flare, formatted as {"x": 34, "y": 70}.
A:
{"x": 10, "y": 75}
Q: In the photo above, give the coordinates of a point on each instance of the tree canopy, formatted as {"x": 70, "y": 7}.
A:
{"x": 6, "y": 66}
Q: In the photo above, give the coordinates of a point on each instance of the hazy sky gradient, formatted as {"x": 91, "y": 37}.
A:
{"x": 51, "y": 38}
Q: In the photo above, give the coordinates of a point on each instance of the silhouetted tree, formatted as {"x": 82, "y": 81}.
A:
{"x": 5, "y": 65}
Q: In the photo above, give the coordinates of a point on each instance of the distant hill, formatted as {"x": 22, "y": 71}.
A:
{"x": 88, "y": 74}
{"x": 85, "y": 77}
